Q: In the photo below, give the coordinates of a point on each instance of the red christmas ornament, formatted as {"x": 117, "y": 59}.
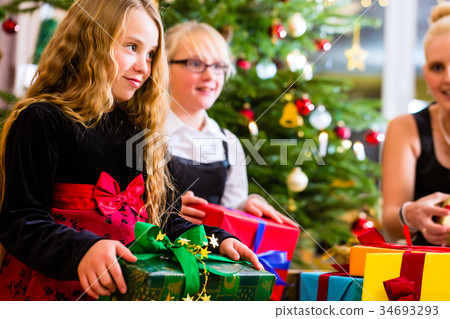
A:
{"x": 248, "y": 113}
{"x": 361, "y": 225}
{"x": 373, "y": 138}
{"x": 279, "y": 31}
{"x": 10, "y": 26}
{"x": 322, "y": 44}
{"x": 304, "y": 106}
{"x": 343, "y": 132}
{"x": 243, "y": 64}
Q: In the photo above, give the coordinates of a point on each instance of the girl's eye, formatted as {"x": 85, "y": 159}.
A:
{"x": 151, "y": 55}
{"x": 131, "y": 47}
{"x": 437, "y": 67}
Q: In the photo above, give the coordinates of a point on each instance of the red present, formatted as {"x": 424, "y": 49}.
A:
{"x": 263, "y": 236}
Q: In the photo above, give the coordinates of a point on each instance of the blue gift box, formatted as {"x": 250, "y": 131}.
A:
{"x": 339, "y": 288}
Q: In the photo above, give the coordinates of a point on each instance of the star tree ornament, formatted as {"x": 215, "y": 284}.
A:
{"x": 320, "y": 119}
{"x": 356, "y": 55}
{"x": 297, "y": 181}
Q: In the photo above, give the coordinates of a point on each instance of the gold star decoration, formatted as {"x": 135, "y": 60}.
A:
{"x": 213, "y": 241}
{"x": 188, "y": 298}
{"x": 184, "y": 241}
{"x": 356, "y": 55}
{"x": 204, "y": 252}
{"x": 206, "y": 297}
{"x": 160, "y": 236}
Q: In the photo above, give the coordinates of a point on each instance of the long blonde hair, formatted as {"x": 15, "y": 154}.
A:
{"x": 439, "y": 22}
{"x": 74, "y": 74}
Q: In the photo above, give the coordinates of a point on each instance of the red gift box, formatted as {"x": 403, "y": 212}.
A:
{"x": 249, "y": 228}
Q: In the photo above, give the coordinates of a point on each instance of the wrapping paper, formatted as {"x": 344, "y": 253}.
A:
{"x": 262, "y": 235}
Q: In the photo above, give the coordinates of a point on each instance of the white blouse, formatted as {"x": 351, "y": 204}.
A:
{"x": 206, "y": 146}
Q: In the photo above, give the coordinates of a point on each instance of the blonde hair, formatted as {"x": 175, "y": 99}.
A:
{"x": 74, "y": 74}
{"x": 439, "y": 22}
{"x": 198, "y": 36}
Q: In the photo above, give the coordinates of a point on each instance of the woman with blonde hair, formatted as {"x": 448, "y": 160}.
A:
{"x": 70, "y": 193}
{"x": 208, "y": 161}
{"x": 416, "y": 153}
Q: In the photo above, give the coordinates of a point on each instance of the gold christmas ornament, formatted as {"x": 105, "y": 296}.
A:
{"x": 289, "y": 118}
{"x": 297, "y": 180}
{"x": 356, "y": 55}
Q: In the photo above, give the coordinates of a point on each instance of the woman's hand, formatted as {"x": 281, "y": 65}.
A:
{"x": 234, "y": 249}
{"x": 191, "y": 214}
{"x": 258, "y": 206}
{"x": 99, "y": 270}
{"x": 419, "y": 214}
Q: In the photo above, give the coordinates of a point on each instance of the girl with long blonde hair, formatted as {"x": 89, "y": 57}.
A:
{"x": 82, "y": 157}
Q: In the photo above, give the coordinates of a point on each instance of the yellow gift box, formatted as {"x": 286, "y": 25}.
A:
{"x": 386, "y": 266}
{"x": 358, "y": 257}
{"x": 359, "y": 253}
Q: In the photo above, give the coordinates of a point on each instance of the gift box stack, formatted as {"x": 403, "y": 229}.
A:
{"x": 274, "y": 243}
{"x": 400, "y": 272}
{"x": 186, "y": 270}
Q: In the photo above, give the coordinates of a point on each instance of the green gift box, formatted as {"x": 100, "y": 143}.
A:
{"x": 163, "y": 279}
{"x": 185, "y": 270}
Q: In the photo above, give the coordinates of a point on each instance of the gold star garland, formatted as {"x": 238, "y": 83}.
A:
{"x": 356, "y": 55}
{"x": 199, "y": 252}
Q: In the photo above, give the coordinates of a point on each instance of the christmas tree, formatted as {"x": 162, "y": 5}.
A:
{"x": 275, "y": 44}
{"x": 295, "y": 125}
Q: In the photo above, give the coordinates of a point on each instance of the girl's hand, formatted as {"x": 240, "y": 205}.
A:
{"x": 99, "y": 270}
{"x": 191, "y": 214}
{"x": 234, "y": 249}
{"x": 420, "y": 214}
{"x": 258, "y": 206}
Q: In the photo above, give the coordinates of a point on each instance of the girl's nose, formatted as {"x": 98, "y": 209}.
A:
{"x": 142, "y": 65}
{"x": 447, "y": 74}
{"x": 208, "y": 73}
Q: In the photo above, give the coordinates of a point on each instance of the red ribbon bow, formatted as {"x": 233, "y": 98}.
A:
{"x": 400, "y": 289}
{"x": 109, "y": 198}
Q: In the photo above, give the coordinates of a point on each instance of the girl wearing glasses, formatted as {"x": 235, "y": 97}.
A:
{"x": 69, "y": 198}
{"x": 208, "y": 162}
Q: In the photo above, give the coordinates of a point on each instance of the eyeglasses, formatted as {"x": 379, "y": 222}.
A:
{"x": 198, "y": 66}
